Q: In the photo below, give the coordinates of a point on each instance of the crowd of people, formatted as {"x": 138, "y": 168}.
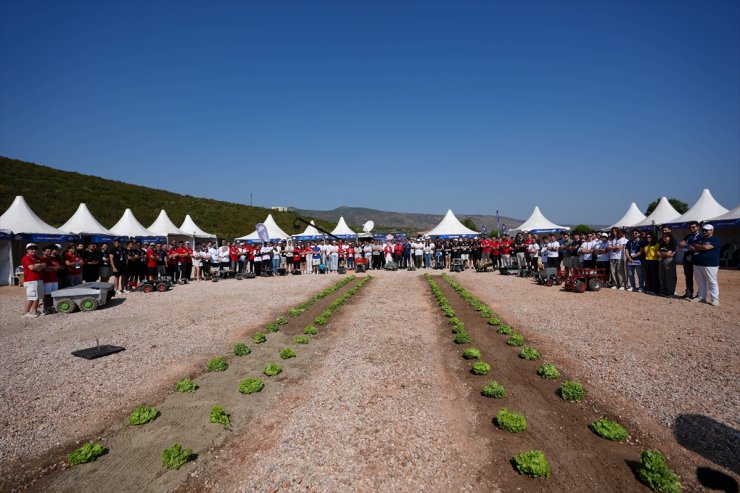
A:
{"x": 639, "y": 261}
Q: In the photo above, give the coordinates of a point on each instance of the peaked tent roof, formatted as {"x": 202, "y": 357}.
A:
{"x": 273, "y": 231}
{"x": 663, "y": 213}
{"x": 451, "y": 226}
{"x": 128, "y": 225}
{"x": 730, "y": 218}
{"x": 163, "y": 226}
{"x": 310, "y": 233}
{"x": 189, "y": 227}
{"x": 704, "y": 208}
{"x": 342, "y": 230}
{"x": 20, "y": 219}
{"x": 83, "y": 222}
{"x": 632, "y": 216}
{"x": 538, "y": 223}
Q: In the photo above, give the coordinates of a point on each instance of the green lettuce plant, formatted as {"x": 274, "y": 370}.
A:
{"x": 494, "y": 321}
{"x": 272, "y": 370}
{"x": 494, "y": 389}
{"x": 175, "y": 457}
{"x": 282, "y": 320}
{"x": 505, "y": 330}
{"x": 251, "y": 385}
{"x": 512, "y": 422}
{"x": 529, "y": 353}
{"x": 481, "y": 368}
{"x": 310, "y": 330}
{"x": 271, "y": 327}
{"x": 186, "y": 385}
{"x": 142, "y": 414}
{"x": 549, "y": 371}
{"x": 217, "y": 364}
{"x": 655, "y": 473}
{"x": 516, "y": 339}
{"x": 218, "y": 415}
{"x": 287, "y": 353}
{"x": 471, "y": 353}
{"x": 609, "y": 429}
{"x": 462, "y": 338}
{"x": 532, "y": 463}
{"x": 571, "y": 391}
{"x": 300, "y": 340}
{"x": 241, "y": 349}
{"x": 259, "y": 337}
{"x": 87, "y": 453}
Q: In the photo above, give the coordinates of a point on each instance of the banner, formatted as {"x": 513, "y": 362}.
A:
{"x": 262, "y": 233}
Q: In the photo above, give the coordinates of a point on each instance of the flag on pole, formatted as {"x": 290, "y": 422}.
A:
{"x": 484, "y": 230}
{"x": 262, "y": 233}
{"x": 498, "y": 225}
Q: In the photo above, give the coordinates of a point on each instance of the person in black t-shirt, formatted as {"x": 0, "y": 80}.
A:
{"x": 92, "y": 258}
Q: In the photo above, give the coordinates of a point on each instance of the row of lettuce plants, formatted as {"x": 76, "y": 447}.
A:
{"x": 653, "y": 470}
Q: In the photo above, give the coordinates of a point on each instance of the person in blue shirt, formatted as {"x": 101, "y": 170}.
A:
{"x": 705, "y": 257}
{"x": 688, "y": 267}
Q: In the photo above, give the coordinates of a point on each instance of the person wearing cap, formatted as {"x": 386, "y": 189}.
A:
{"x": 602, "y": 252}
{"x": 705, "y": 257}
{"x": 119, "y": 265}
{"x": 33, "y": 281}
{"x": 667, "y": 265}
{"x": 617, "y": 264}
{"x": 50, "y": 276}
{"x": 180, "y": 254}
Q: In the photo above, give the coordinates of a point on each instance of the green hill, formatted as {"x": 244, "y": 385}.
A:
{"x": 54, "y": 196}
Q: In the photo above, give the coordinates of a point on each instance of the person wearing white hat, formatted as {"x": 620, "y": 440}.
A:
{"x": 33, "y": 281}
{"x": 705, "y": 257}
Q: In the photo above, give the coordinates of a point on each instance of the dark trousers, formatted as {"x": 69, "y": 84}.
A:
{"x": 688, "y": 272}
{"x": 652, "y": 281}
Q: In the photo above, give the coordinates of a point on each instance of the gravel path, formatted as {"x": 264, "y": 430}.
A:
{"x": 378, "y": 412}
{"x": 50, "y": 399}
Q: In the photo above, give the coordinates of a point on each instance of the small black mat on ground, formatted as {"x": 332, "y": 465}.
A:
{"x": 97, "y": 351}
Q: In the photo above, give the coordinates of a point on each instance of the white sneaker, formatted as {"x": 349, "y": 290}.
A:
{"x": 614, "y": 287}
{"x": 715, "y": 303}
{"x": 639, "y": 290}
{"x": 31, "y": 315}
{"x": 621, "y": 289}
{"x": 697, "y": 300}
{"x": 630, "y": 289}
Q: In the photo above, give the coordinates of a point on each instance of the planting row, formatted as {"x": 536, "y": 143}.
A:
{"x": 176, "y": 456}
{"x": 653, "y": 470}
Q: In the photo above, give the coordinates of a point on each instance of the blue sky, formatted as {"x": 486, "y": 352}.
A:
{"x": 578, "y": 107}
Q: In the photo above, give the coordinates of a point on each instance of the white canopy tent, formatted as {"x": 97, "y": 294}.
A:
{"x": 342, "y": 230}
{"x": 538, "y": 223}
{"x": 83, "y": 222}
{"x": 21, "y": 220}
{"x": 451, "y": 227}
{"x": 310, "y": 233}
{"x": 728, "y": 219}
{"x": 129, "y": 226}
{"x": 189, "y": 227}
{"x": 704, "y": 208}
{"x": 163, "y": 226}
{"x": 632, "y": 216}
{"x": 273, "y": 232}
{"x": 664, "y": 213}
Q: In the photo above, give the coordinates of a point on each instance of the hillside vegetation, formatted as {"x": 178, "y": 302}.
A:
{"x": 54, "y": 196}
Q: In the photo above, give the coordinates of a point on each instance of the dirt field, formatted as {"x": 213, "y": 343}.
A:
{"x": 381, "y": 399}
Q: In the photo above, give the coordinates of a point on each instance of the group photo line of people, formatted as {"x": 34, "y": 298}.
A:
{"x": 642, "y": 261}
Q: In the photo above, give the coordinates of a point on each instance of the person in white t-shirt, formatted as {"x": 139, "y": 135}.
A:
{"x": 534, "y": 251}
{"x": 617, "y": 265}
{"x": 553, "y": 252}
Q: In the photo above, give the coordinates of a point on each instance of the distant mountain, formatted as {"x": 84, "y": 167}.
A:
{"x": 400, "y": 221}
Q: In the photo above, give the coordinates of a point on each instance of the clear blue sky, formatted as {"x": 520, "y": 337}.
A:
{"x": 578, "y": 107}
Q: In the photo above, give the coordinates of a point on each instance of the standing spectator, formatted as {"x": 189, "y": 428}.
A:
{"x": 617, "y": 271}
{"x": 197, "y": 261}
{"x": 119, "y": 263}
{"x": 586, "y": 251}
{"x": 33, "y": 280}
{"x": 91, "y": 269}
{"x": 233, "y": 256}
{"x": 652, "y": 259}
{"x": 505, "y": 251}
{"x": 565, "y": 252}
{"x": 50, "y": 277}
{"x": 74, "y": 265}
{"x": 705, "y": 256}
{"x": 152, "y": 258}
{"x": 428, "y": 250}
{"x": 276, "y": 251}
{"x": 104, "y": 263}
{"x": 485, "y": 251}
{"x": 188, "y": 261}
{"x": 688, "y": 266}
{"x": 398, "y": 254}
{"x": 667, "y": 266}
{"x": 553, "y": 253}
{"x": 533, "y": 250}
{"x": 602, "y": 252}
{"x": 257, "y": 260}
{"x": 406, "y": 254}
{"x": 575, "y": 261}
{"x": 418, "y": 247}
{"x": 634, "y": 255}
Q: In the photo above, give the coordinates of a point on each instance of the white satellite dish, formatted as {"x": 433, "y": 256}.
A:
{"x": 368, "y": 226}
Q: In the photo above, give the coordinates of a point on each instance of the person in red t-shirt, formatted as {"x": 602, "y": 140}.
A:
{"x": 179, "y": 255}
{"x": 485, "y": 251}
{"x": 33, "y": 280}
{"x": 187, "y": 260}
{"x": 151, "y": 262}
{"x": 496, "y": 252}
{"x": 50, "y": 276}
{"x": 505, "y": 251}
{"x": 74, "y": 265}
